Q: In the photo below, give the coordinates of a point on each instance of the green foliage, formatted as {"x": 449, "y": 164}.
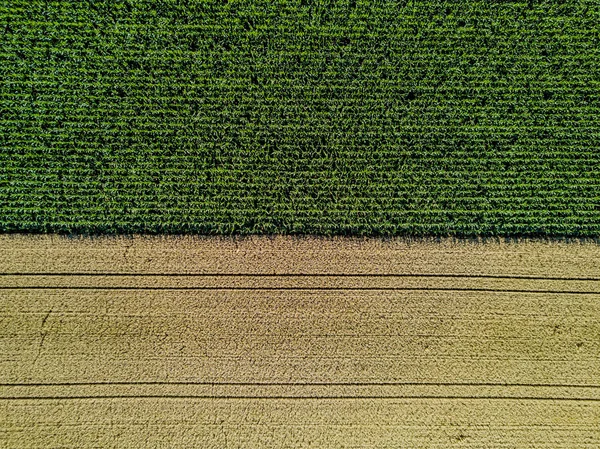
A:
{"x": 473, "y": 118}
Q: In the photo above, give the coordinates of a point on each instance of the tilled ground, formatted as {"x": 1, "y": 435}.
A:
{"x": 288, "y": 342}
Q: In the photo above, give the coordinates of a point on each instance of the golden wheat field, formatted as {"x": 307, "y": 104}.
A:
{"x": 298, "y": 343}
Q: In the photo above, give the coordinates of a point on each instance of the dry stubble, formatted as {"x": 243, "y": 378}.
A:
{"x": 283, "y": 342}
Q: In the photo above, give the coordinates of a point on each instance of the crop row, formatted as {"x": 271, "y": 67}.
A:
{"x": 358, "y": 117}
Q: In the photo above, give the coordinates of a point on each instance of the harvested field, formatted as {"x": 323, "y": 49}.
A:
{"x": 298, "y": 342}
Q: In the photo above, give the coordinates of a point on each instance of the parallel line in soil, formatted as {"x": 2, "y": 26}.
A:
{"x": 303, "y": 384}
{"x": 354, "y": 397}
{"x": 490, "y": 290}
{"x": 362, "y": 275}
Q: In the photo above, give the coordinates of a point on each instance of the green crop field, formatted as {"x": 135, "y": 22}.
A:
{"x": 416, "y": 118}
